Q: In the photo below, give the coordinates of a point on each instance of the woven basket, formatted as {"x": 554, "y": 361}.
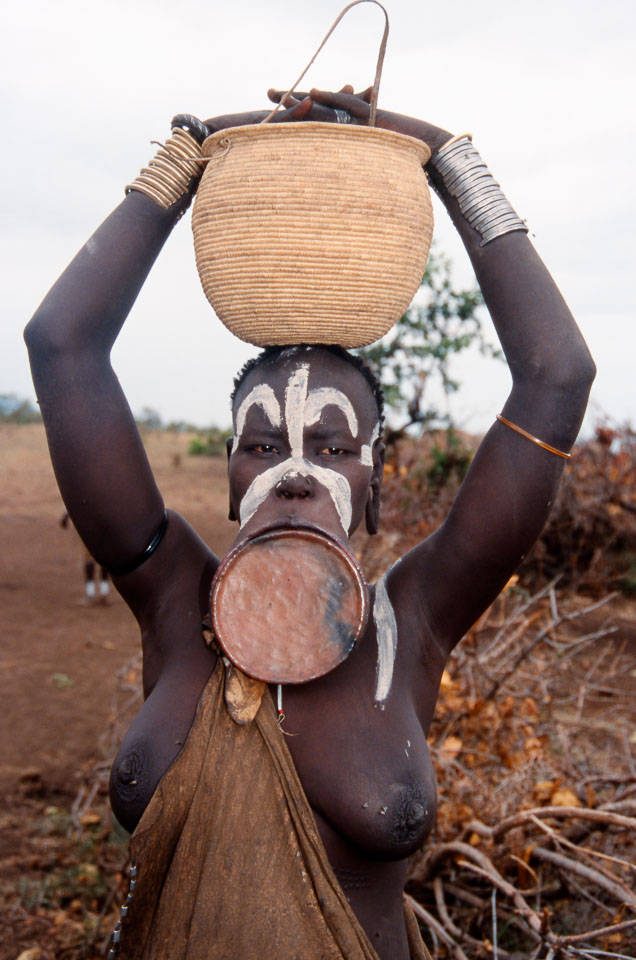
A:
{"x": 312, "y": 232}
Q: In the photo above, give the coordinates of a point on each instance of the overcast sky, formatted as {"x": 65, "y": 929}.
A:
{"x": 547, "y": 88}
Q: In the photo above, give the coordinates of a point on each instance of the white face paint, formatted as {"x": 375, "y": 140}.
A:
{"x": 295, "y": 402}
{"x": 302, "y": 409}
{"x": 366, "y": 454}
{"x": 261, "y": 394}
{"x": 322, "y": 397}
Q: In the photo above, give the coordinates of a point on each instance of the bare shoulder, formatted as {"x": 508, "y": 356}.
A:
{"x": 408, "y": 585}
{"x": 449, "y": 579}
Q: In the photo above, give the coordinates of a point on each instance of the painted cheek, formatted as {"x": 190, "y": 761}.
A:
{"x": 336, "y": 485}
{"x": 259, "y": 489}
{"x": 339, "y": 490}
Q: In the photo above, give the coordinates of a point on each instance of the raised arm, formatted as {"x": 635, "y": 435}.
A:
{"x": 506, "y": 497}
{"x": 97, "y": 454}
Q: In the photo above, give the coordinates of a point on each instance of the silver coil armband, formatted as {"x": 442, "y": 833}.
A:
{"x": 481, "y": 200}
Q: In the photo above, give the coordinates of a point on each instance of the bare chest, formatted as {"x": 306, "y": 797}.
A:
{"x": 366, "y": 770}
{"x": 365, "y": 767}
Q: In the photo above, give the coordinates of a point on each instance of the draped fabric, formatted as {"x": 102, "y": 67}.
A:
{"x": 229, "y": 862}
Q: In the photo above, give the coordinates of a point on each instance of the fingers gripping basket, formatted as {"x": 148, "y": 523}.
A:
{"x": 312, "y": 232}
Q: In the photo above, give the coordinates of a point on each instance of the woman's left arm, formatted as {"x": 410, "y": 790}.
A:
{"x": 505, "y": 499}
{"x": 507, "y": 495}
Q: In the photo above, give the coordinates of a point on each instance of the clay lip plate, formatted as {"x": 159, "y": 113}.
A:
{"x": 288, "y": 604}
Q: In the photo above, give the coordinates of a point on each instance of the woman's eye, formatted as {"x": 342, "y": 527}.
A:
{"x": 332, "y": 452}
{"x": 264, "y": 448}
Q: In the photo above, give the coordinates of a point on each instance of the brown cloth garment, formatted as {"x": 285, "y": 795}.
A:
{"x": 230, "y": 865}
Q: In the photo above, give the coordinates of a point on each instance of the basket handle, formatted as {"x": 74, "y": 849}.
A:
{"x": 378, "y": 70}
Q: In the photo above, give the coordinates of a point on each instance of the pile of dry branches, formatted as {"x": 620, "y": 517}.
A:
{"x": 589, "y": 539}
{"x": 534, "y": 854}
{"x": 591, "y": 534}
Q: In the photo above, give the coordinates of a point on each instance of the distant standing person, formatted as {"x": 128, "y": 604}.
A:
{"x": 96, "y": 580}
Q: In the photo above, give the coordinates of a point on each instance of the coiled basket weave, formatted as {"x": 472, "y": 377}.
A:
{"x": 312, "y": 232}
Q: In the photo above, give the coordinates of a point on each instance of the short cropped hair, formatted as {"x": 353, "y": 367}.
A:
{"x": 271, "y": 354}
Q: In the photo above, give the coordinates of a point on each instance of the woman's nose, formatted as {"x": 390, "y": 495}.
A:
{"x": 295, "y": 485}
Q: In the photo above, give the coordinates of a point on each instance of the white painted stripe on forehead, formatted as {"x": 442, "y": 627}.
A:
{"x": 295, "y": 397}
{"x": 261, "y": 395}
{"x": 366, "y": 453}
{"x": 329, "y": 396}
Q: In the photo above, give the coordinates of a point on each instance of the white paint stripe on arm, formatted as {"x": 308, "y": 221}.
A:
{"x": 386, "y": 636}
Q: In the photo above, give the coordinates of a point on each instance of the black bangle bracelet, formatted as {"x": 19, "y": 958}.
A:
{"x": 143, "y": 556}
{"x": 195, "y": 127}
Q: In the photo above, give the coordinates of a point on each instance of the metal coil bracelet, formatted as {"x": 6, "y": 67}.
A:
{"x": 170, "y": 172}
{"x": 481, "y": 200}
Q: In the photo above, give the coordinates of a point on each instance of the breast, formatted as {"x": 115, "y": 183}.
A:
{"x": 373, "y": 783}
{"x": 133, "y": 780}
{"x": 385, "y": 816}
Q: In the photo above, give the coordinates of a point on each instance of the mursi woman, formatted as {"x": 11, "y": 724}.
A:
{"x": 251, "y": 844}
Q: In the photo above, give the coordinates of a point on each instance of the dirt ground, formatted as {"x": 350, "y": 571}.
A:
{"x": 60, "y": 658}
{"x": 62, "y": 661}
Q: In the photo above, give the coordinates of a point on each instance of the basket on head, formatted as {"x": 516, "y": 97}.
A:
{"x": 312, "y": 232}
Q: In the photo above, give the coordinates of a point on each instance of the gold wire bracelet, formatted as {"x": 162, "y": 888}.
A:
{"x": 528, "y": 436}
{"x": 170, "y": 172}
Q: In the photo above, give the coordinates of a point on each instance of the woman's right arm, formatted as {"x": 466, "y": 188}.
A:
{"x": 97, "y": 453}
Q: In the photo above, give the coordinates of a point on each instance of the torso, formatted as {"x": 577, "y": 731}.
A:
{"x": 366, "y": 770}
